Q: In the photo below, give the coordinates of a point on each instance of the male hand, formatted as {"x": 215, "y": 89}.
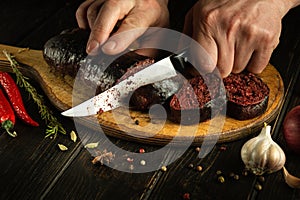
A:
{"x": 237, "y": 34}
{"x": 101, "y": 17}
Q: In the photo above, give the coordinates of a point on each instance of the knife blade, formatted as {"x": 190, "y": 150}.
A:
{"x": 111, "y": 98}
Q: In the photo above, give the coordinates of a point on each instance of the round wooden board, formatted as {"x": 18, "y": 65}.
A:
{"x": 120, "y": 123}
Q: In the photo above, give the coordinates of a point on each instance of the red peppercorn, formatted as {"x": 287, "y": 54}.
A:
{"x": 186, "y": 196}
{"x": 141, "y": 150}
{"x": 223, "y": 148}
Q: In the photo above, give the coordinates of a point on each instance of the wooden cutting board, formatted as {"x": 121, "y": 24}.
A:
{"x": 122, "y": 123}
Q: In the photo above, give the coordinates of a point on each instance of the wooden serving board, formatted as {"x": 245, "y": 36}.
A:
{"x": 121, "y": 123}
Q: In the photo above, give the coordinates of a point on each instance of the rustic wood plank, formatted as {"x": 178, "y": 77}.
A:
{"x": 32, "y": 167}
{"x": 181, "y": 179}
{"x": 276, "y": 183}
{"x": 85, "y": 180}
{"x": 30, "y": 162}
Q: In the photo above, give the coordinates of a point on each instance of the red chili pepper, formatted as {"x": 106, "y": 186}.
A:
{"x": 7, "y": 115}
{"x": 15, "y": 98}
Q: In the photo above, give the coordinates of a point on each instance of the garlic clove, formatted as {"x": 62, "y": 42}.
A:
{"x": 292, "y": 181}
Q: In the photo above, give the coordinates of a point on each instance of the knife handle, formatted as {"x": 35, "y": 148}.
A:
{"x": 180, "y": 62}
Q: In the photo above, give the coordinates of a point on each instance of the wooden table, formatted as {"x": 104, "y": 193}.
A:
{"x": 32, "y": 166}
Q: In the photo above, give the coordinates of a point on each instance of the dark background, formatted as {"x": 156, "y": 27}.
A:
{"x": 32, "y": 167}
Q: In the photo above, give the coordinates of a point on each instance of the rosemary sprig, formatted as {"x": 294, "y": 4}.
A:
{"x": 53, "y": 125}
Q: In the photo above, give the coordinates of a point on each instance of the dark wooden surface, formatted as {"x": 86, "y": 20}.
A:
{"x": 32, "y": 167}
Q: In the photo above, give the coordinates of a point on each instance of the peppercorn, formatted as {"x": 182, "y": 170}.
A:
{"x": 223, "y": 148}
{"x": 198, "y": 149}
{"x": 137, "y": 122}
{"x": 141, "y": 150}
{"x": 191, "y": 165}
{"x": 164, "y": 168}
{"x": 261, "y": 179}
{"x": 199, "y": 168}
{"x": 221, "y": 179}
{"x": 245, "y": 173}
{"x": 143, "y": 162}
{"x": 231, "y": 175}
{"x": 236, "y": 177}
{"x": 186, "y": 196}
{"x": 258, "y": 187}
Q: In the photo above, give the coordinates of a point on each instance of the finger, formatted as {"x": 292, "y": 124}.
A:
{"x": 188, "y": 24}
{"x": 131, "y": 28}
{"x": 152, "y": 40}
{"x": 105, "y": 22}
{"x": 207, "y": 54}
{"x": 185, "y": 40}
{"x": 242, "y": 56}
{"x": 93, "y": 11}
{"x": 81, "y": 14}
{"x": 259, "y": 60}
{"x": 225, "y": 57}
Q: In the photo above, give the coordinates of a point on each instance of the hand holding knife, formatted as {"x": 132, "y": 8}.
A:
{"x": 111, "y": 98}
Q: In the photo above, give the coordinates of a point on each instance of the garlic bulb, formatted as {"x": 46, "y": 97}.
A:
{"x": 261, "y": 154}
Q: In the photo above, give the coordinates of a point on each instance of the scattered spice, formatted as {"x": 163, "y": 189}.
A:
{"x": 131, "y": 167}
{"x": 186, "y": 196}
{"x": 129, "y": 159}
{"x": 245, "y": 172}
{"x": 219, "y": 172}
{"x": 103, "y": 157}
{"x": 143, "y": 162}
{"x": 261, "y": 179}
{"x": 164, "y": 168}
{"x": 91, "y": 145}
{"x": 141, "y": 150}
{"x": 236, "y": 177}
{"x": 231, "y": 174}
{"x": 62, "y": 147}
{"x": 258, "y": 186}
{"x": 198, "y": 149}
{"x": 137, "y": 122}
{"x": 191, "y": 165}
{"x": 199, "y": 168}
{"x": 221, "y": 179}
{"x": 223, "y": 148}
{"x": 73, "y": 136}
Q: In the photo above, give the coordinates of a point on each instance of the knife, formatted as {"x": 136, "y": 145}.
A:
{"x": 111, "y": 98}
